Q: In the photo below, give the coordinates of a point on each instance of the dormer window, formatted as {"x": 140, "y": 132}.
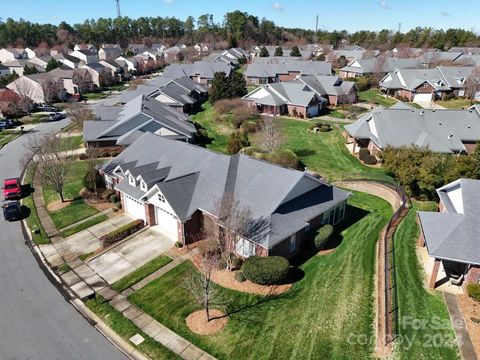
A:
{"x": 425, "y": 85}
{"x": 461, "y": 80}
{"x": 131, "y": 180}
{"x": 161, "y": 198}
{"x": 143, "y": 185}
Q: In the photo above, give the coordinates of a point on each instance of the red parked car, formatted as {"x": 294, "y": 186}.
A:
{"x": 12, "y": 189}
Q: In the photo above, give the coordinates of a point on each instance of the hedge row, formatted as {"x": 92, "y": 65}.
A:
{"x": 266, "y": 270}
{"x": 122, "y": 232}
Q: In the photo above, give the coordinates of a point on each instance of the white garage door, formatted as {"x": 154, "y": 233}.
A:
{"x": 166, "y": 223}
{"x": 425, "y": 98}
{"x": 134, "y": 208}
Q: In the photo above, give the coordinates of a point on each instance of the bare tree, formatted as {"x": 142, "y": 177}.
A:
{"x": 271, "y": 136}
{"x": 25, "y": 88}
{"x": 51, "y": 156}
{"x": 93, "y": 180}
{"x": 472, "y": 84}
{"x": 379, "y": 68}
{"x": 52, "y": 90}
{"x": 199, "y": 284}
{"x": 83, "y": 79}
{"x": 79, "y": 114}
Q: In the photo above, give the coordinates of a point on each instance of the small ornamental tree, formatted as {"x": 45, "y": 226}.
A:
{"x": 323, "y": 235}
{"x": 295, "y": 52}
{"x": 278, "y": 51}
{"x": 264, "y": 52}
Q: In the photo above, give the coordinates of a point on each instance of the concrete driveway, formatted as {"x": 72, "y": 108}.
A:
{"x": 130, "y": 255}
{"x": 88, "y": 240}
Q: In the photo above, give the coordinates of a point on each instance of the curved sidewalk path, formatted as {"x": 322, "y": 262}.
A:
{"x": 84, "y": 282}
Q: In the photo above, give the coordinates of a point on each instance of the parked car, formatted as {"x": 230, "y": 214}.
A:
{"x": 12, "y": 211}
{"x": 45, "y": 107}
{"x": 12, "y": 189}
{"x": 5, "y": 124}
{"x": 55, "y": 116}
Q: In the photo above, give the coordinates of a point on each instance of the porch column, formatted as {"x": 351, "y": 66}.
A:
{"x": 433, "y": 277}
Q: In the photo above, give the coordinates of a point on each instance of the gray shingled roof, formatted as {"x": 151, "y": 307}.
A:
{"x": 454, "y": 235}
{"x": 262, "y": 70}
{"x": 442, "y": 131}
{"x": 202, "y": 69}
{"x": 327, "y": 84}
{"x": 370, "y": 66}
{"x": 194, "y": 178}
{"x": 143, "y": 114}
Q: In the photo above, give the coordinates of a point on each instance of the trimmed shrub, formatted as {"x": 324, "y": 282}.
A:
{"x": 363, "y": 153}
{"x": 323, "y": 235}
{"x": 283, "y": 157}
{"x": 240, "y": 277}
{"x": 324, "y": 129}
{"x": 122, "y": 232}
{"x": 237, "y": 263}
{"x": 107, "y": 193}
{"x": 370, "y": 160}
{"x": 118, "y": 205}
{"x": 266, "y": 270}
{"x": 82, "y": 156}
{"x": 179, "y": 245}
{"x": 473, "y": 290}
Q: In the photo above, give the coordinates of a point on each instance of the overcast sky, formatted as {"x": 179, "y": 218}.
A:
{"x": 351, "y": 15}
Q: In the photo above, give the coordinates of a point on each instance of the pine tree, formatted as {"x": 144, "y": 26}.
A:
{"x": 278, "y": 51}
{"x": 29, "y": 69}
{"x": 264, "y": 52}
{"x": 295, "y": 52}
{"x": 52, "y": 64}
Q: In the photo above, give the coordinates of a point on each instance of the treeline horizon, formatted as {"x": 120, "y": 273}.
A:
{"x": 236, "y": 29}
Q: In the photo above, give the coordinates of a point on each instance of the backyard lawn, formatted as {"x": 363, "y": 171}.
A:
{"x": 72, "y": 142}
{"x": 77, "y": 209}
{"x": 324, "y": 153}
{"x": 373, "y": 96}
{"x": 325, "y": 315}
{"x": 457, "y": 103}
{"x": 7, "y": 136}
{"x": 429, "y": 342}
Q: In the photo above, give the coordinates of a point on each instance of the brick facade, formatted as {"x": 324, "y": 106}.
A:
{"x": 473, "y": 275}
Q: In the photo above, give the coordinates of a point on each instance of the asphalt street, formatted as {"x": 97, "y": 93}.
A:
{"x": 36, "y": 321}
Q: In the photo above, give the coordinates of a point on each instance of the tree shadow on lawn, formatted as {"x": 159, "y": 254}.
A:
{"x": 304, "y": 152}
{"x": 202, "y": 139}
{"x": 352, "y": 216}
{"x": 27, "y": 190}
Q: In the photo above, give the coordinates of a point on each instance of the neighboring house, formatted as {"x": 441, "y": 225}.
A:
{"x": 18, "y": 66}
{"x": 442, "y": 131}
{"x": 365, "y": 67}
{"x": 350, "y": 55}
{"x": 176, "y": 187}
{"x": 200, "y": 71}
{"x": 38, "y": 87}
{"x": 332, "y": 88}
{"x": 68, "y": 60}
{"x": 158, "y": 47}
{"x": 7, "y": 98}
{"x": 4, "y": 70}
{"x": 131, "y": 63}
{"x": 110, "y": 52}
{"x": 202, "y": 49}
{"x": 256, "y": 50}
{"x": 182, "y": 94}
{"x": 41, "y": 61}
{"x": 466, "y": 50}
{"x": 425, "y": 85}
{"x": 317, "y": 49}
{"x": 262, "y": 73}
{"x": 451, "y": 236}
{"x": 96, "y": 69}
{"x": 86, "y": 56}
{"x": 11, "y": 54}
{"x": 275, "y": 59}
{"x": 119, "y": 126}
{"x": 231, "y": 56}
{"x": 118, "y": 70}
{"x": 137, "y": 48}
{"x": 90, "y": 47}
{"x": 171, "y": 54}
{"x": 286, "y": 98}
{"x": 436, "y": 58}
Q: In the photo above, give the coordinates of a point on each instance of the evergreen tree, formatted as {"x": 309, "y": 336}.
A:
{"x": 52, "y": 64}
{"x": 220, "y": 87}
{"x": 237, "y": 85}
{"x": 29, "y": 69}
{"x": 295, "y": 52}
{"x": 278, "y": 51}
{"x": 264, "y": 52}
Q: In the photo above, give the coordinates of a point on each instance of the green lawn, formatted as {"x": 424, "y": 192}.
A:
{"x": 325, "y": 153}
{"x": 7, "y": 136}
{"x": 325, "y": 315}
{"x": 72, "y": 142}
{"x": 85, "y": 225}
{"x": 33, "y": 221}
{"x": 373, "y": 96}
{"x": 126, "y": 329}
{"x": 417, "y": 303}
{"x": 141, "y": 273}
{"x": 457, "y": 103}
{"x": 77, "y": 209}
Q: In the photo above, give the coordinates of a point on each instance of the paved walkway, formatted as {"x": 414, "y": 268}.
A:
{"x": 456, "y": 317}
{"x": 373, "y": 188}
{"x": 85, "y": 282}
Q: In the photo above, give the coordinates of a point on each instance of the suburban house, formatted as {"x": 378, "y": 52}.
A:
{"x": 200, "y": 71}
{"x": 10, "y": 54}
{"x": 18, "y": 66}
{"x": 183, "y": 94}
{"x": 306, "y": 54}
{"x": 258, "y": 73}
{"x": 131, "y": 63}
{"x": 4, "y": 70}
{"x": 231, "y": 56}
{"x": 437, "y": 57}
{"x": 41, "y": 61}
{"x": 119, "y": 126}
{"x": 68, "y": 60}
{"x": 96, "y": 70}
{"x": 351, "y": 54}
{"x": 136, "y": 48}
{"x": 384, "y": 65}
{"x": 110, "y": 52}
{"x": 177, "y": 187}
{"x": 202, "y": 48}
{"x": 332, "y": 88}
{"x": 41, "y": 88}
{"x": 118, "y": 70}
{"x": 425, "y": 85}
{"x": 87, "y": 56}
{"x": 451, "y": 236}
{"x": 67, "y": 78}
{"x": 275, "y": 59}
{"x": 442, "y": 131}
{"x": 292, "y": 98}
{"x": 317, "y": 49}
{"x": 90, "y": 47}
{"x": 8, "y": 99}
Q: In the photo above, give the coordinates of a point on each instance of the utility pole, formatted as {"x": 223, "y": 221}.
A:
{"x": 118, "y": 8}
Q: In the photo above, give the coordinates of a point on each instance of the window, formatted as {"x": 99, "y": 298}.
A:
{"x": 143, "y": 185}
{"x": 293, "y": 243}
{"x": 161, "y": 198}
{"x": 425, "y": 85}
{"x": 245, "y": 248}
{"x": 131, "y": 180}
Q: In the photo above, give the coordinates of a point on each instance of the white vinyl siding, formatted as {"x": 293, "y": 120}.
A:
{"x": 134, "y": 208}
